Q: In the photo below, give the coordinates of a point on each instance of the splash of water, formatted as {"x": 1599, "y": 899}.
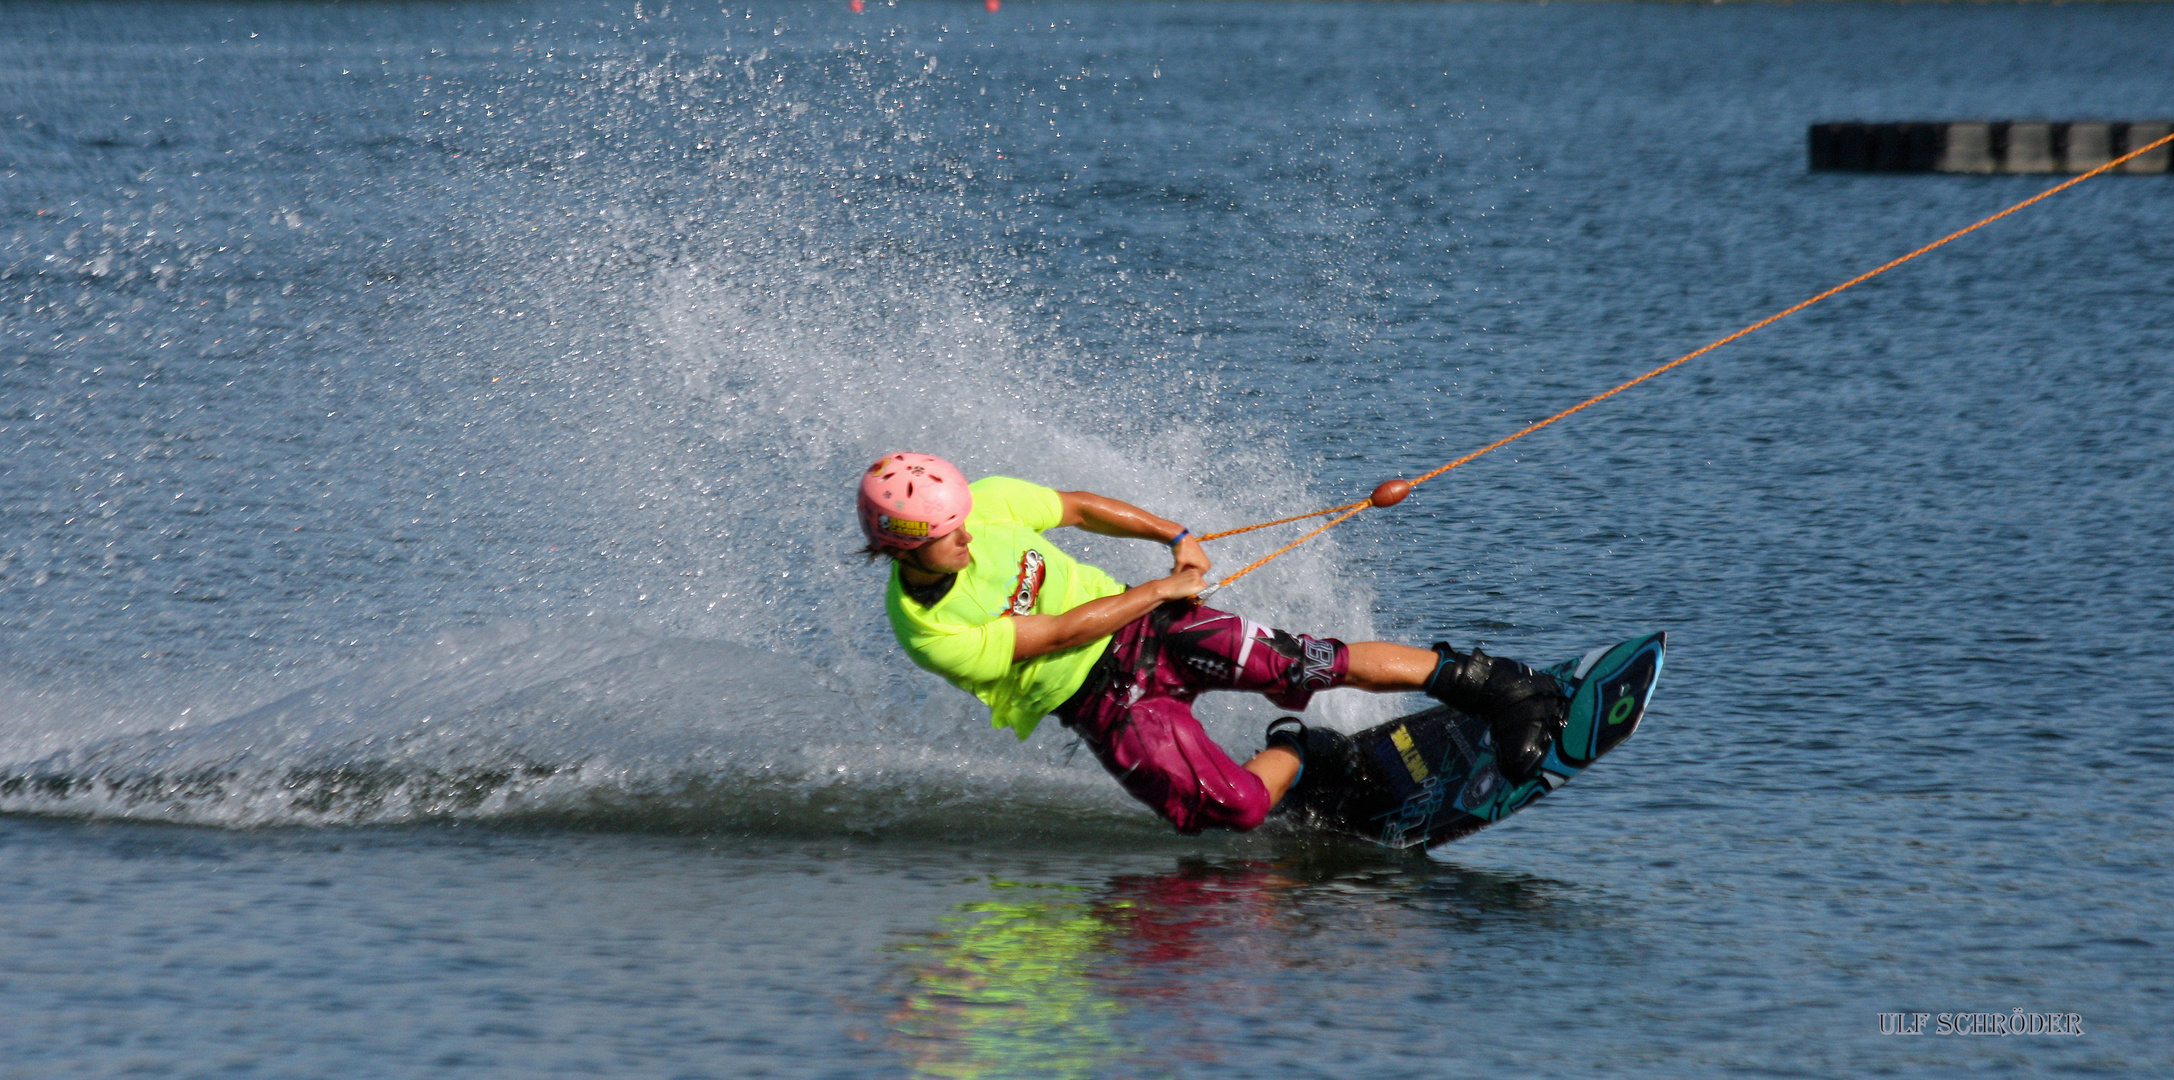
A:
{"x": 587, "y": 728}
{"x": 676, "y": 302}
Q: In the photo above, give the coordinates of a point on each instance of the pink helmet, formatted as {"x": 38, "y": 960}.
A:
{"x": 908, "y": 500}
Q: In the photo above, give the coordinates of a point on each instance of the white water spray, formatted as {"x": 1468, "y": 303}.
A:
{"x": 682, "y": 301}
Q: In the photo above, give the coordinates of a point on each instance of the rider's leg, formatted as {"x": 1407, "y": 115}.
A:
{"x": 1278, "y": 768}
{"x": 1386, "y": 667}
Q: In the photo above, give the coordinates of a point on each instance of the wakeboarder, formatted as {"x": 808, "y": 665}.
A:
{"x": 979, "y": 596}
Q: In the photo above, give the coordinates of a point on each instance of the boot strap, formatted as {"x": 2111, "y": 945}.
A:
{"x": 1459, "y": 672}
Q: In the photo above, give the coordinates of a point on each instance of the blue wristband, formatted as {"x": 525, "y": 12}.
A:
{"x": 1180, "y": 537}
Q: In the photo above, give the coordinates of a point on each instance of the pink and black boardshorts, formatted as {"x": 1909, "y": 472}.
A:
{"x": 1135, "y": 710}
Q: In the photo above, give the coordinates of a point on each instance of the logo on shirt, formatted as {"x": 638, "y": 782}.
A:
{"x": 1032, "y": 570}
{"x": 1318, "y": 669}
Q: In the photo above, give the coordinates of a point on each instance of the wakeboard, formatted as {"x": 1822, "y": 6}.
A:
{"x": 1431, "y": 777}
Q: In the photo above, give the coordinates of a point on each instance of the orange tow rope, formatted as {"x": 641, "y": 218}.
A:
{"x": 1391, "y": 492}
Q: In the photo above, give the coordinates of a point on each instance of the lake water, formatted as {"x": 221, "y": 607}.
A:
{"x": 434, "y": 646}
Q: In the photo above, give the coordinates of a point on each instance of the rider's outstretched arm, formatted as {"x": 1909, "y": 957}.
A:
{"x": 1115, "y": 517}
{"x": 1035, "y": 635}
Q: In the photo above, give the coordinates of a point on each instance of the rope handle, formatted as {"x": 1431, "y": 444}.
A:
{"x": 1395, "y": 490}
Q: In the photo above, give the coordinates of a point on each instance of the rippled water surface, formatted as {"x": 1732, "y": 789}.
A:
{"x": 434, "y": 645}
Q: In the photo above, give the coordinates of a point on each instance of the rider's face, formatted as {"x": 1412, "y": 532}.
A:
{"x": 946, "y": 554}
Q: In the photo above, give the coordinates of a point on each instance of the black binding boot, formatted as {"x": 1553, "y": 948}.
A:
{"x": 1524, "y": 709}
{"x": 1325, "y": 755}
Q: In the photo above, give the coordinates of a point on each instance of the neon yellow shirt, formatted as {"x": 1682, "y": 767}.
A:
{"x": 1014, "y": 570}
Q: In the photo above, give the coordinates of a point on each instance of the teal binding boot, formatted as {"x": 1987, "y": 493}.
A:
{"x": 1524, "y": 709}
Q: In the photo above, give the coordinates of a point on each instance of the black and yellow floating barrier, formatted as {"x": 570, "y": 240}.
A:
{"x": 1977, "y": 146}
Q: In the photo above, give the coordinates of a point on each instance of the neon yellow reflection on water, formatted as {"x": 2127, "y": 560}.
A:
{"x": 1008, "y": 988}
